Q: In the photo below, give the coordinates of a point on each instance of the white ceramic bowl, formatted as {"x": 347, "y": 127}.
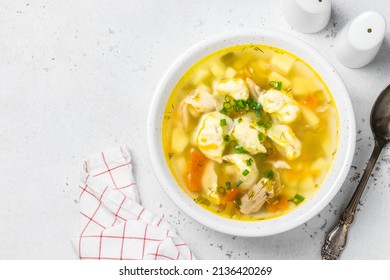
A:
{"x": 334, "y": 179}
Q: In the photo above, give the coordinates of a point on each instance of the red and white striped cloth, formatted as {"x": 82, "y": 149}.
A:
{"x": 114, "y": 226}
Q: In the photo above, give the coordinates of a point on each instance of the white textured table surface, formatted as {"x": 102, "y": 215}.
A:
{"x": 77, "y": 77}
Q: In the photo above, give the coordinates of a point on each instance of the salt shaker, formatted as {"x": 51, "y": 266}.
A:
{"x": 307, "y": 16}
{"x": 359, "y": 41}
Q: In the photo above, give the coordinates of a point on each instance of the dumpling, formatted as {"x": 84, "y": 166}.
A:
{"x": 209, "y": 134}
{"x": 201, "y": 101}
{"x": 235, "y": 88}
{"x": 247, "y": 132}
{"x": 280, "y": 105}
{"x": 196, "y": 102}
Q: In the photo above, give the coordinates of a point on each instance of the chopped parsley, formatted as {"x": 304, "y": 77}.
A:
{"x": 228, "y": 185}
{"x": 269, "y": 174}
{"x": 239, "y": 149}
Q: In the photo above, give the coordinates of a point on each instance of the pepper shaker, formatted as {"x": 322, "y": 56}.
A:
{"x": 359, "y": 41}
{"x": 307, "y": 16}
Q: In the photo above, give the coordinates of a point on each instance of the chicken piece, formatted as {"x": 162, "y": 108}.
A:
{"x": 256, "y": 196}
{"x": 235, "y": 88}
{"x": 285, "y": 141}
{"x": 254, "y": 89}
{"x": 246, "y": 175}
{"x": 197, "y": 101}
{"x": 247, "y": 134}
{"x": 209, "y": 133}
{"x": 280, "y": 105}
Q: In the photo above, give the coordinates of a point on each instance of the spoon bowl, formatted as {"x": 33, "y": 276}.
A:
{"x": 380, "y": 116}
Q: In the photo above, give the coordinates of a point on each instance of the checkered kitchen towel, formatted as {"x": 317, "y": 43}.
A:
{"x": 114, "y": 225}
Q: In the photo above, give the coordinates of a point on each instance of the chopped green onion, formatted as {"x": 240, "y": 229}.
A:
{"x": 276, "y": 85}
{"x": 297, "y": 199}
{"x": 226, "y": 138}
{"x": 228, "y": 185}
{"x": 269, "y": 174}
{"x": 239, "y": 149}
{"x": 223, "y": 122}
{"x": 232, "y": 143}
{"x": 239, "y": 120}
{"x": 221, "y": 190}
{"x": 238, "y": 183}
{"x": 245, "y": 172}
{"x": 227, "y": 105}
{"x": 258, "y": 113}
{"x": 260, "y": 136}
{"x": 260, "y": 123}
{"x": 238, "y": 201}
{"x": 224, "y": 111}
{"x": 227, "y": 98}
{"x": 268, "y": 124}
{"x": 249, "y": 162}
{"x": 201, "y": 200}
{"x": 235, "y": 108}
{"x": 240, "y": 104}
{"x": 252, "y": 103}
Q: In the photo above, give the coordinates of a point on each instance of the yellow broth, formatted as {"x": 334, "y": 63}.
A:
{"x": 316, "y": 127}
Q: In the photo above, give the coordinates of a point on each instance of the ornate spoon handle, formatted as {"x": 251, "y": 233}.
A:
{"x": 337, "y": 238}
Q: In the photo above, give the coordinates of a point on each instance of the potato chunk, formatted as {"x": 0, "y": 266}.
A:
{"x": 235, "y": 88}
{"x": 180, "y": 140}
{"x": 282, "y": 63}
{"x": 280, "y": 105}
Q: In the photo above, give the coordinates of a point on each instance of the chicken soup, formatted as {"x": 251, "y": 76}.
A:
{"x": 250, "y": 132}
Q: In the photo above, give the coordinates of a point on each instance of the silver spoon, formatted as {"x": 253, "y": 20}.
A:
{"x": 380, "y": 125}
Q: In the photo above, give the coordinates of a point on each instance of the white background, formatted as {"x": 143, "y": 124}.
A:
{"x": 77, "y": 77}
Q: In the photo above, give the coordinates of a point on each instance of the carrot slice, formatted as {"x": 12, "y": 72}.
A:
{"x": 196, "y": 167}
{"x": 231, "y": 195}
{"x": 311, "y": 101}
{"x": 270, "y": 207}
{"x": 282, "y": 203}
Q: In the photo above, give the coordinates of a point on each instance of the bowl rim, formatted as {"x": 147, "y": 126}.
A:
{"x": 285, "y": 222}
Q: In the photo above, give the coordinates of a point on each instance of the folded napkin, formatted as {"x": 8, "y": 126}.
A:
{"x": 114, "y": 225}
